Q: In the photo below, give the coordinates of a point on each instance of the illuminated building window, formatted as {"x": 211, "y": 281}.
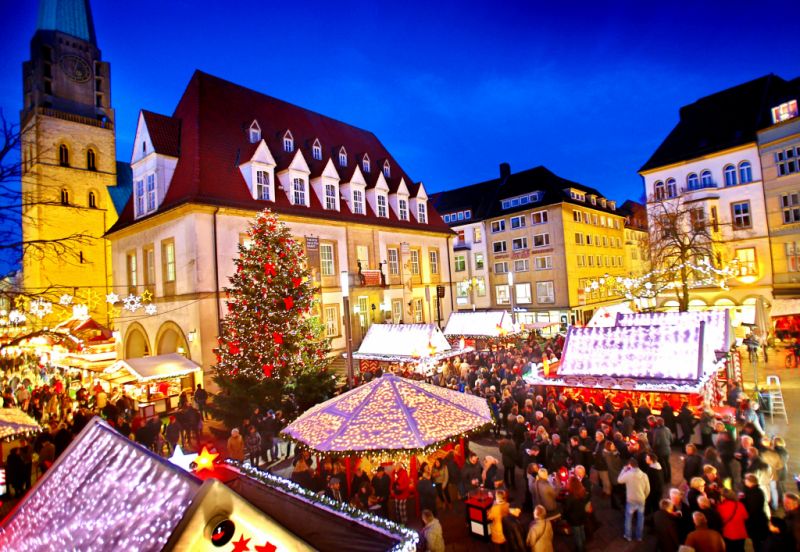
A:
{"x": 746, "y": 259}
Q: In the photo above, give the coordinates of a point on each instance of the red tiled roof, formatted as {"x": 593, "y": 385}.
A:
{"x": 165, "y": 133}
{"x": 213, "y": 118}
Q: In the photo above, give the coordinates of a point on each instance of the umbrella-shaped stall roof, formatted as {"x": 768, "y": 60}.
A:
{"x": 14, "y": 421}
{"x": 390, "y": 414}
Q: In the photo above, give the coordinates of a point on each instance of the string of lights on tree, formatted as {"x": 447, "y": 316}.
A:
{"x": 409, "y": 538}
{"x": 660, "y": 280}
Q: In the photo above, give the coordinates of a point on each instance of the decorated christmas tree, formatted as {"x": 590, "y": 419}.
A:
{"x": 272, "y": 351}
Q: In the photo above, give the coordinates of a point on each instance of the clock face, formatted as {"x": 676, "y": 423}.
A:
{"x": 76, "y": 68}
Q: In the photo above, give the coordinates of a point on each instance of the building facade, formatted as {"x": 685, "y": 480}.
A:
{"x": 779, "y": 147}
{"x": 227, "y": 152}
{"x": 69, "y": 170}
{"x": 710, "y": 165}
{"x": 637, "y": 238}
{"x": 544, "y": 239}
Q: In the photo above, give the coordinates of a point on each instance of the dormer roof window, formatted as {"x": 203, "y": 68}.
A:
{"x": 784, "y": 112}
{"x": 255, "y": 132}
{"x": 342, "y": 157}
{"x": 512, "y": 202}
{"x": 603, "y": 202}
{"x": 365, "y": 163}
{"x": 577, "y": 195}
{"x": 387, "y": 169}
{"x": 288, "y": 142}
{"x": 316, "y": 150}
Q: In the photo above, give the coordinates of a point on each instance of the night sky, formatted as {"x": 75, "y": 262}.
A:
{"x": 453, "y": 88}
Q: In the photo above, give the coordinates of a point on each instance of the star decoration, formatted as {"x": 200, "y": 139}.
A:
{"x": 266, "y": 547}
{"x": 205, "y": 460}
{"x": 147, "y": 295}
{"x": 241, "y": 545}
{"x": 150, "y": 309}
{"x": 182, "y": 460}
{"x": 80, "y": 312}
{"x": 132, "y": 303}
{"x": 112, "y": 298}
{"x": 113, "y": 312}
{"x": 65, "y": 300}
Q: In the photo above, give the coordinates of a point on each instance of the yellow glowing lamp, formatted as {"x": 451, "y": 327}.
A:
{"x": 461, "y": 343}
{"x": 205, "y": 460}
{"x": 431, "y": 349}
{"x": 545, "y": 366}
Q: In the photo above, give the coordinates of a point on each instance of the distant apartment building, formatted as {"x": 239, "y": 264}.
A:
{"x": 637, "y": 242}
{"x": 536, "y": 240}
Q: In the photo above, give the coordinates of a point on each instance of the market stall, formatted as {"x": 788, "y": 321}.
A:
{"x": 676, "y": 361}
{"x": 156, "y": 382}
{"x": 406, "y": 349}
{"x": 132, "y": 498}
{"x": 479, "y": 329}
{"x": 14, "y": 424}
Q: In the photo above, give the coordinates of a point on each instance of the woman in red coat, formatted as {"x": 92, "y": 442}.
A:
{"x": 401, "y": 491}
{"x": 733, "y": 515}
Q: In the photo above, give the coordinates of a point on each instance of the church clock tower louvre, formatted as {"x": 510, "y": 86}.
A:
{"x": 70, "y": 195}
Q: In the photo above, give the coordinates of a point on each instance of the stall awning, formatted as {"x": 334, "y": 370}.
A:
{"x": 479, "y": 324}
{"x": 14, "y": 422}
{"x": 151, "y": 368}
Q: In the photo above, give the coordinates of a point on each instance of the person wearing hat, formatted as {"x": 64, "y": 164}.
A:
{"x": 235, "y": 445}
{"x": 334, "y": 489}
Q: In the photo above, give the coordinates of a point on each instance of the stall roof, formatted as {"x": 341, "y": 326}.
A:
{"x": 479, "y": 324}
{"x": 155, "y": 367}
{"x": 717, "y": 322}
{"x": 605, "y": 317}
{"x": 14, "y": 421}
{"x": 405, "y": 343}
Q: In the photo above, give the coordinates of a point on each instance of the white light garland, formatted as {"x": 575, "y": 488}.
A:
{"x": 150, "y": 309}
{"x": 40, "y": 308}
{"x": 65, "y": 300}
{"x": 80, "y": 312}
{"x": 132, "y": 303}
{"x": 112, "y": 298}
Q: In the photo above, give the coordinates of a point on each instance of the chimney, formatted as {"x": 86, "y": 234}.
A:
{"x": 505, "y": 170}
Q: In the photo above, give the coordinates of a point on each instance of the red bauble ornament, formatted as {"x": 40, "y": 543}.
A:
{"x": 269, "y": 269}
{"x": 233, "y": 348}
{"x": 289, "y": 302}
{"x": 267, "y": 369}
{"x": 297, "y": 281}
{"x": 278, "y": 338}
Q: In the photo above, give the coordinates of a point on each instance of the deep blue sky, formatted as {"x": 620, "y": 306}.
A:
{"x": 588, "y": 89}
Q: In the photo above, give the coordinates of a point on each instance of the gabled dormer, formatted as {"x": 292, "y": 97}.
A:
{"x": 387, "y": 169}
{"x": 254, "y": 132}
{"x": 326, "y": 187}
{"x": 354, "y": 193}
{"x": 365, "y": 164}
{"x": 342, "y": 157}
{"x": 294, "y": 180}
{"x": 259, "y": 173}
{"x": 378, "y": 197}
{"x": 419, "y": 205}
{"x": 288, "y": 141}
{"x": 316, "y": 150}
{"x": 399, "y": 200}
{"x": 155, "y": 154}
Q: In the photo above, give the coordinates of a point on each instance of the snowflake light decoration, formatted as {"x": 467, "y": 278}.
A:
{"x": 80, "y": 312}
{"x": 41, "y": 308}
{"x": 112, "y": 298}
{"x": 150, "y": 309}
{"x": 65, "y": 300}
{"x": 16, "y": 317}
{"x": 132, "y": 303}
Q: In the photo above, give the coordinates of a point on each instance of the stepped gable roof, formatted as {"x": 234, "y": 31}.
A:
{"x": 723, "y": 120}
{"x": 211, "y": 120}
{"x": 165, "y": 133}
{"x": 485, "y": 198}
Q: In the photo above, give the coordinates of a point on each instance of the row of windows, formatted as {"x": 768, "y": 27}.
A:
{"x": 316, "y": 150}
{"x": 328, "y": 266}
{"x": 512, "y": 202}
{"x": 168, "y": 269}
{"x": 598, "y": 241}
{"x": 460, "y": 262}
{"x": 460, "y": 215}
{"x": 577, "y": 195}
{"x": 595, "y": 219}
{"x": 790, "y": 204}
{"x": 517, "y": 244}
{"x": 523, "y": 265}
{"x": 732, "y": 175}
{"x": 63, "y": 157}
{"x": 545, "y": 293}
{"x": 600, "y": 260}
{"x": 91, "y": 199}
{"x": 519, "y": 221}
{"x": 788, "y": 161}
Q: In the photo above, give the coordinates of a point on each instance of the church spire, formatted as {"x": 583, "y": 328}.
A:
{"x": 72, "y": 17}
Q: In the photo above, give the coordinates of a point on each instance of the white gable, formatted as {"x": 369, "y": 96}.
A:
{"x": 142, "y": 136}
{"x": 381, "y": 184}
{"x": 421, "y": 194}
{"x": 402, "y": 189}
{"x": 263, "y": 155}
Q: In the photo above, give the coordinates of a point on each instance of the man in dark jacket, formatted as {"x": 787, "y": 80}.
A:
{"x": 556, "y": 454}
{"x": 686, "y": 422}
{"x": 653, "y": 469}
{"x": 754, "y": 500}
{"x": 692, "y": 463}
{"x": 665, "y": 522}
{"x": 427, "y": 492}
{"x": 380, "y": 484}
{"x": 662, "y": 441}
{"x": 470, "y": 474}
{"x": 509, "y": 453}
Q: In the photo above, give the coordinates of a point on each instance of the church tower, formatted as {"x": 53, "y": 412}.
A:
{"x": 68, "y": 158}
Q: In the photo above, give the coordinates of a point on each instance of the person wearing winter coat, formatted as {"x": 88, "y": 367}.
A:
{"x": 614, "y": 464}
{"x": 574, "y": 512}
{"x": 252, "y": 444}
{"x": 637, "y": 488}
{"x": 665, "y": 523}
{"x": 655, "y": 477}
{"x": 401, "y": 492}
{"x": 540, "y": 532}
{"x": 755, "y": 502}
{"x": 733, "y": 515}
{"x": 432, "y": 536}
{"x": 235, "y": 445}
{"x": 662, "y": 441}
{"x": 692, "y": 463}
{"x": 544, "y": 494}
{"x": 495, "y": 515}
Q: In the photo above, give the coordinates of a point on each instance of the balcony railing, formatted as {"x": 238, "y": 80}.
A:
{"x": 49, "y": 112}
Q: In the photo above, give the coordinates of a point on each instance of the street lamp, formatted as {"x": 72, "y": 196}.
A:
{"x": 348, "y": 332}
{"x": 511, "y": 296}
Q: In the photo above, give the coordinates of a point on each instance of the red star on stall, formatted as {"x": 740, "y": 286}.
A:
{"x": 241, "y": 545}
{"x": 268, "y": 547}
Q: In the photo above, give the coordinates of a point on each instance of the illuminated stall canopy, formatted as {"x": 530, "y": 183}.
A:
{"x": 390, "y": 414}
{"x": 16, "y": 423}
{"x": 478, "y": 325}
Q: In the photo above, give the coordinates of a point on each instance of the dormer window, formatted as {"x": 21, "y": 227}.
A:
{"x": 316, "y": 150}
{"x": 262, "y": 185}
{"x": 342, "y": 157}
{"x": 593, "y": 199}
{"x": 365, "y": 163}
{"x": 422, "y": 213}
{"x": 255, "y": 132}
{"x": 151, "y": 192}
{"x": 382, "y": 206}
{"x": 139, "y": 191}
{"x": 402, "y": 209}
{"x": 387, "y": 170}
{"x": 298, "y": 191}
{"x": 603, "y": 203}
{"x": 330, "y": 197}
{"x": 784, "y": 112}
{"x": 358, "y": 202}
{"x": 288, "y": 142}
